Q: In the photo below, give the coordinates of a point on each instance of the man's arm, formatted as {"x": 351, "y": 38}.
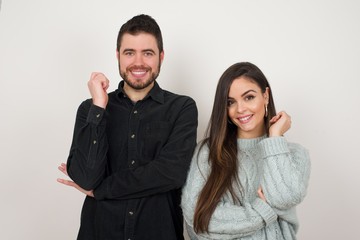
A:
{"x": 87, "y": 159}
{"x": 70, "y": 183}
{"x": 167, "y": 171}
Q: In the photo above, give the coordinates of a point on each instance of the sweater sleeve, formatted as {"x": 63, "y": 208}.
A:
{"x": 286, "y": 172}
{"x": 228, "y": 221}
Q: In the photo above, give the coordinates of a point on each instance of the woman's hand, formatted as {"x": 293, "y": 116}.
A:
{"x": 280, "y": 124}
{"x": 261, "y": 194}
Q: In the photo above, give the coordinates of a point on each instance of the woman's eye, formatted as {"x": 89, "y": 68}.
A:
{"x": 250, "y": 97}
{"x": 229, "y": 103}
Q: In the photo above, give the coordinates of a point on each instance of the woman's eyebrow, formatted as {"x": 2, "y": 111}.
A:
{"x": 248, "y": 92}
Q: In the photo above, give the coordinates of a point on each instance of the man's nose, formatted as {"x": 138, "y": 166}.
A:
{"x": 138, "y": 60}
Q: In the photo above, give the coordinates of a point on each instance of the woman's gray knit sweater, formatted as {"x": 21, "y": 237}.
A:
{"x": 282, "y": 170}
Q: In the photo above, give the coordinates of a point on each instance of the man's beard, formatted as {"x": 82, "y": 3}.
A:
{"x": 135, "y": 84}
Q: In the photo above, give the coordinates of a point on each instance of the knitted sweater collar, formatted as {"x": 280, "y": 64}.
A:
{"x": 249, "y": 143}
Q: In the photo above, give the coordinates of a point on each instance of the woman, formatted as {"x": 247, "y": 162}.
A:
{"x": 245, "y": 178}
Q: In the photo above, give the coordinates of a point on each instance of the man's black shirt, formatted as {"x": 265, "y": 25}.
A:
{"x": 135, "y": 156}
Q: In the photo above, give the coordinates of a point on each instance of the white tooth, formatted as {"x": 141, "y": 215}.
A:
{"x": 138, "y": 73}
{"x": 245, "y": 118}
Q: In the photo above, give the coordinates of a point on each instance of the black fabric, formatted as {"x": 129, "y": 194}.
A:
{"x": 135, "y": 157}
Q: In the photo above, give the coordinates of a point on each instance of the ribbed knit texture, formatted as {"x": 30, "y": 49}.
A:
{"x": 282, "y": 169}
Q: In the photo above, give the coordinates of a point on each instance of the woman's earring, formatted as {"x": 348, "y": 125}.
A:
{"x": 266, "y": 111}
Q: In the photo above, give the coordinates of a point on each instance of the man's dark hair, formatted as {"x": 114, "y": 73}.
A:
{"x": 138, "y": 24}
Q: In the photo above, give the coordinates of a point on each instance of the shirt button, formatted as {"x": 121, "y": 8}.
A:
{"x": 133, "y": 136}
{"x": 94, "y": 141}
{"x": 131, "y": 213}
{"x": 98, "y": 115}
{"x": 135, "y": 112}
{"x": 133, "y": 162}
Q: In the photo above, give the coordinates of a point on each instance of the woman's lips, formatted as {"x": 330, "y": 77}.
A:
{"x": 245, "y": 119}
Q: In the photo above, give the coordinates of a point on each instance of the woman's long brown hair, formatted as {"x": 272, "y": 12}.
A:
{"x": 221, "y": 139}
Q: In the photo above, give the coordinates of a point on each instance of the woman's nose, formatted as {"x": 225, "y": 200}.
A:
{"x": 241, "y": 107}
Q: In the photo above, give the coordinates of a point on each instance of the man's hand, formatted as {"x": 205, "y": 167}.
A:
{"x": 98, "y": 84}
{"x": 70, "y": 183}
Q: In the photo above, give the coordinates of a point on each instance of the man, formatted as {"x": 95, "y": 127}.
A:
{"x": 132, "y": 147}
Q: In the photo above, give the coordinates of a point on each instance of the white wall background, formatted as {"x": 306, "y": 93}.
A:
{"x": 308, "y": 49}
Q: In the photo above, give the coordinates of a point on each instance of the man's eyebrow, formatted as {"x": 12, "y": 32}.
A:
{"x": 144, "y": 50}
{"x": 148, "y": 50}
{"x": 128, "y": 49}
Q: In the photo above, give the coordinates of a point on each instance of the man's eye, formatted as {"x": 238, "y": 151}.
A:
{"x": 148, "y": 54}
{"x": 129, "y": 53}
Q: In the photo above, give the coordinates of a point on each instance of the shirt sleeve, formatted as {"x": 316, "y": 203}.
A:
{"x": 229, "y": 221}
{"x": 87, "y": 157}
{"x": 167, "y": 171}
{"x": 286, "y": 172}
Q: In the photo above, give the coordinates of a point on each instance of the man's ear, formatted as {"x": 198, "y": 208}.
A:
{"x": 162, "y": 54}
{"x": 117, "y": 55}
